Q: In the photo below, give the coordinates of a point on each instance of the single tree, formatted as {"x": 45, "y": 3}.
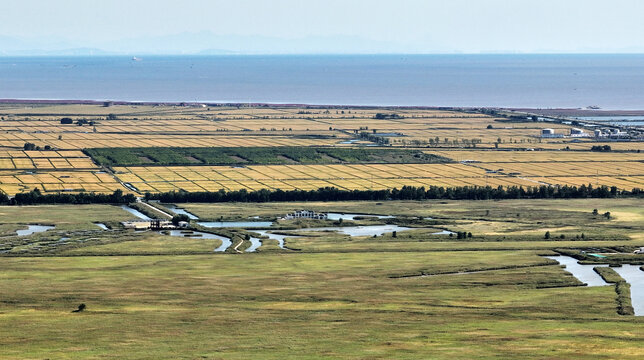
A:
{"x": 81, "y": 307}
{"x": 179, "y": 218}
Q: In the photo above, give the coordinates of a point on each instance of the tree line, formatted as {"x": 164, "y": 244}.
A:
{"x": 405, "y": 193}
{"x": 36, "y": 197}
{"x": 330, "y": 194}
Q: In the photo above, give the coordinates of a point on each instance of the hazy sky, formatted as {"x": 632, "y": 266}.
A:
{"x": 414, "y": 26}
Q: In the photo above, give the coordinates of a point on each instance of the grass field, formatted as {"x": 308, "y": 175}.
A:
{"x": 257, "y": 156}
{"x": 305, "y": 306}
{"x": 155, "y": 296}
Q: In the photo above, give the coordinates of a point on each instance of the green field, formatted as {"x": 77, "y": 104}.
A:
{"x": 306, "y": 306}
{"x": 256, "y": 156}
{"x": 151, "y": 296}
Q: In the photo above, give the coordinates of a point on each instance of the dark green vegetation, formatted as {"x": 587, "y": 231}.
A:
{"x": 412, "y": 296}
{"x": 330, "y": 194}
{"x": 405, "y": 193}
{"x": 603, "y": 148}
{"x": 36, "y": 197}
{"x": 256, "y": 156}
{"x": 622, "y": 288}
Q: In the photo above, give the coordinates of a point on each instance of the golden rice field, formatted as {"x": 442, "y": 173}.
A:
{"x": 52, "y": 172}
{"x": 27, "y": 160}
{"x": 184, "y": 126}
{"x": 487, "y": 156}
{"x": 66, "y": 168}
{"x": 377, "y": 176}
{"x": 94, "y": 140}
{"x": 12, "y": 182}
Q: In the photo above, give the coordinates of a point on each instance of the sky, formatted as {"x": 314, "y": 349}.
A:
{"x": 323, "y": 26}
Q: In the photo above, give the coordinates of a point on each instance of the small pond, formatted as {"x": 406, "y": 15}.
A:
{"x": 444, "y": 232}
{"x": 32, "y": 229}
{"x": 361, "y": 230}
{"x": 343, "y": 216}
{"x": 102, "y": 226}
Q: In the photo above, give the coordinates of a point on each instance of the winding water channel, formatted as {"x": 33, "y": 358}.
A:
{"x": 634, "y": 276}
{"x": 583, "y": 273}
{"x": 280, "y": 238}
{"x": 180, "y": 211}
{"x": 630, "y": 273}
{"x": 225, "y": 242}
{"x": 135, "y": 212}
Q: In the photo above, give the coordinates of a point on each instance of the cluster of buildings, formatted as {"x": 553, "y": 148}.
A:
{"x": 607, "y": 133}
{"x": 611, "y": 133}
{"x": 306, "y": 214}
{"x": 154, "y": 224}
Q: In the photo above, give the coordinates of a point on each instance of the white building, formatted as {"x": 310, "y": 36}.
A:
{"x": 148, "y": 224}
{"x": 550, "y": 133}
{"x": 574, "y": 132}
{"x": 306, "y": 214}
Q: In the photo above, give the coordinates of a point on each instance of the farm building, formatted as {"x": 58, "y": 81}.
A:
{"x": 550, "y": 133}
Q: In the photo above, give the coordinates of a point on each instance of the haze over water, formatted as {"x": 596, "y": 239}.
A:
{"x": 536, "y": 81}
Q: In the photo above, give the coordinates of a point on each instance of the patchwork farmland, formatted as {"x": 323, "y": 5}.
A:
{"x": 134, "y": 148}
{"x": 385, "y": 278}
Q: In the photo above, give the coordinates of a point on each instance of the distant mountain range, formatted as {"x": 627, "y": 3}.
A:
{"x": 201, "y": 43}
{"x": 208, "y": 43}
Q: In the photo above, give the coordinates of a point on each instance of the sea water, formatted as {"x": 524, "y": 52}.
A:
{"x": 537, "y": 81}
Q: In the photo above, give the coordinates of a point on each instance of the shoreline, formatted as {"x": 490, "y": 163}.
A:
{"x": 540, "y": 111}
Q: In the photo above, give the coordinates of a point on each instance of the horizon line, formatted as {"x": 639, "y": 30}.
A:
{"x": 116, "y": 54}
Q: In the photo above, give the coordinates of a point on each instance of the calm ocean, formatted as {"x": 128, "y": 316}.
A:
{"x": 609, "y": 81}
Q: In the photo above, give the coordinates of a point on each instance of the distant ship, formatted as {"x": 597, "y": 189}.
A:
{"x": 134, "y": 58}
{"x": 593, "y": 107}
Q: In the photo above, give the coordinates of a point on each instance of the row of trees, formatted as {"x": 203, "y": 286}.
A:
{"x": 602, "y": 148}
{"x": 330, "y": 194}
{"x": 36, "y": 197}
{"x": 405, "y": 193}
